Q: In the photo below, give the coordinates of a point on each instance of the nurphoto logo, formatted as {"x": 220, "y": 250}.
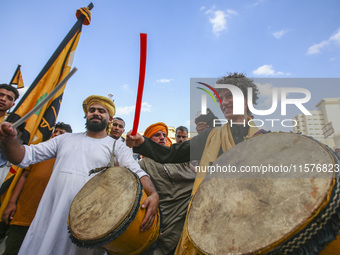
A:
{"x": 239, "y": 104}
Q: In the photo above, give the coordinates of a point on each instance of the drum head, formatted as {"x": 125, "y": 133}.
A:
{"x": 103, "y": 204}
{"x": 246, "y": 215}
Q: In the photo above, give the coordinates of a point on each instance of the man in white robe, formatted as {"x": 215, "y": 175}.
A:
{"x": 75, "y": 154}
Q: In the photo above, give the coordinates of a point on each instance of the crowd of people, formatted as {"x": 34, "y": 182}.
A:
{"x": 55, "y": 170}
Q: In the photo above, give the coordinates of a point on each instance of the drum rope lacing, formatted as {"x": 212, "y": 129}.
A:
{"x": 303, "y": 243}
{"x": 314, "y": 228}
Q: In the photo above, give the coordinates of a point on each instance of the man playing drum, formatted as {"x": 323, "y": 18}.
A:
{"x": 207, "y": 145}
{"x": 76, "y": 154}
{"x": 211, "y": 143}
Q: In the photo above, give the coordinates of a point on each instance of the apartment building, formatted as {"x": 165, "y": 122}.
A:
{"x": 323, "y": 124}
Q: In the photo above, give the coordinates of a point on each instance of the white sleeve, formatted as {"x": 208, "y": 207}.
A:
{"x": 124, "y": 157}
{"x": 39, "y": 152}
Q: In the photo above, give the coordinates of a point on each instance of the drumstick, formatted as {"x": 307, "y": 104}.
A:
{"x": 142, "y": 67}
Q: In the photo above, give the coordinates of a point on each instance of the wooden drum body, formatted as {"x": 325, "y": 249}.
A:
{"x": 257, "y": 213}
{"x": 107, "y": 212}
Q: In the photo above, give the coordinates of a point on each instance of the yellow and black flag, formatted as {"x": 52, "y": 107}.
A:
{"x": 17, "y": 78}
{"x": 39, "y": 127}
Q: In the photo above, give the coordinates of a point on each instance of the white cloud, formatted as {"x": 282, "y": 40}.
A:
{"x": 164, "y": 80}
{"x": 279, "y": 34}
{"x": 264, "y": 70}
{"x": 316, "y": 48}
{"x": 218, "y": 19}
{"x": 332, "y": 59}
{"x": 258, "y": 2}
{"x": 267, "y": 70}
{"x": 336, "y": 37}
{"x": 126, "y": 110}
{"x": 146, "y": 107}
{"x": 202, "y": 8}
{"x": 232, "y": 12}
{"x": 127, "y": 88}
{"x": 266, "y": 93}
{"x": 218, "y": 22}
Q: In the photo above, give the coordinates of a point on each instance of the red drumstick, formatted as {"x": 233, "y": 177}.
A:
{"x": 142, "y": 67}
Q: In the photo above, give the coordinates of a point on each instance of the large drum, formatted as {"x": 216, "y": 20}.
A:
{"x": 274, "y": 193}
{"x": 107, "y": 212}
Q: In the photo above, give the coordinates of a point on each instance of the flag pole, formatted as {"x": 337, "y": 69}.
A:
{"x": 50, "y": 62}
{"x": 16, "y": 70}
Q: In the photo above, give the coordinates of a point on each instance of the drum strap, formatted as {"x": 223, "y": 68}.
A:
{"x": 110, "y": 164}
{"x": 112, "y": 160}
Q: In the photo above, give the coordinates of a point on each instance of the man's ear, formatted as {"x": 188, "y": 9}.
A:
{"x": 110, "y": 119}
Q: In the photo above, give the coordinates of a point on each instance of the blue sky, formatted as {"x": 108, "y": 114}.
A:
{"x": 186, "y": 39}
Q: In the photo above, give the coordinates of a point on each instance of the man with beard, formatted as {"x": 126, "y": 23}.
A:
{"x": 76, "y": 154}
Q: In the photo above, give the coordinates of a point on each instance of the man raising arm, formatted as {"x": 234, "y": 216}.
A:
{"x": 75, "y": 154}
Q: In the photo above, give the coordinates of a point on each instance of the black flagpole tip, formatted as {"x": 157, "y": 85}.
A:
{"x": 90, "y": 6}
